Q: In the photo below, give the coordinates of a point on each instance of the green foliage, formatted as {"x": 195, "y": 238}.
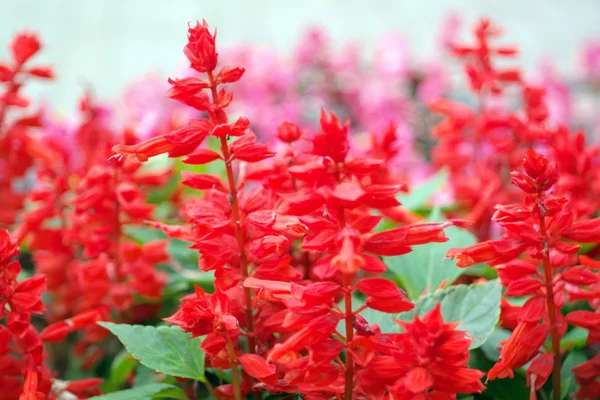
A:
{"x": 491, "y": 347}
{"x": 475, "y": 307}
{"x": 574, "y": 339}
{"x": 425, "y": 268}
{"x": 504, "y": 389}
{"x": 164, "y": 349}
{"x": 572, "y": 359}
{"x": 154, "y": 391}
{"x": 419, "y": 195}
{"x": 121, "y": 368}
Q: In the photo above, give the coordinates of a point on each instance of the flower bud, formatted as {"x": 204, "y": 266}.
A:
{"x": 288, "y": 132}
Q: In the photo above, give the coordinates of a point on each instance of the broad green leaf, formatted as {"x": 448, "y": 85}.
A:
{"x": 476, "y": 308}
{"x": 571, "y": 360}
{"x": 123, "y": 364}
{"x": 154, "y": 391}
{"x": 425, "y": 268}
{"x": 146, "y": 376}
{"x": 419, "y": 195}
{"x": 164, "y": 349}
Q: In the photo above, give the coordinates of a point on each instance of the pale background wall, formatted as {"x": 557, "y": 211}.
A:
{"x": 110, "y": 42}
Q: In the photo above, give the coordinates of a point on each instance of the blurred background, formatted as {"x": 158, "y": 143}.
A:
{"x": 115, "y": 42}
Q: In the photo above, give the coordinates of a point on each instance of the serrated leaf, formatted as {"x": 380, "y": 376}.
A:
{"x": 122, "y": 365}
{"x": 154, "y": 391}
{"x": 420, "y": 194}
{"x": 476, "y": 308}
{"x": 425, "y": 268}
{"x": 164, "y": 349}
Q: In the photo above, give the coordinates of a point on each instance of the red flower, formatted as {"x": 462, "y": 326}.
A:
{"x": 384, "y": 295}
{"x": 30, "y": 387}
{"x": 288, "y": 132}
{"x": 316, "y": 331}
{"x": 428, "y": 360}
{"x": 522, "y": 346}
{"x": 24, "y": 46}
{"x": 200, "y": 49}
{"x": 586, "y": 376}
{"x": 195, "y": 315}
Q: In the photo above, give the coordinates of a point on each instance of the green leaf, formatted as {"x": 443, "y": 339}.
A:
{"x": 122, "y": 366}
{"x": 425, "y": 268}
{"x": 571, "y": 360}
{"x": 565, "y": 384}
{"x": 419, "y": 195}
{"x": 146, "y": 376}
{"x": 476, "y": 308}
{"x": 491, "y": 347}
{"x": 505, "y": 389}
{"x": 154, "y": 391}
{"x": 575, "y": 338}
{"x": 164, "y": 349}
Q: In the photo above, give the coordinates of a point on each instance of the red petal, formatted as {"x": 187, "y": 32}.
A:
{"x": 201, "y": 156}
{"x": 258, "y": 368}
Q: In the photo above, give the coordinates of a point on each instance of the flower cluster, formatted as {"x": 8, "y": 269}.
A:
{"x": 545, "y": 231}
{"x": 312, "y": 258}
{"x": 247, "y": 237}
{"x": 18, "y": 148}
{"x": 22, "y": 351}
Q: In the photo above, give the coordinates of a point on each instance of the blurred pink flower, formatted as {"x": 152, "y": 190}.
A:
{"x": 590, "y": 60}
